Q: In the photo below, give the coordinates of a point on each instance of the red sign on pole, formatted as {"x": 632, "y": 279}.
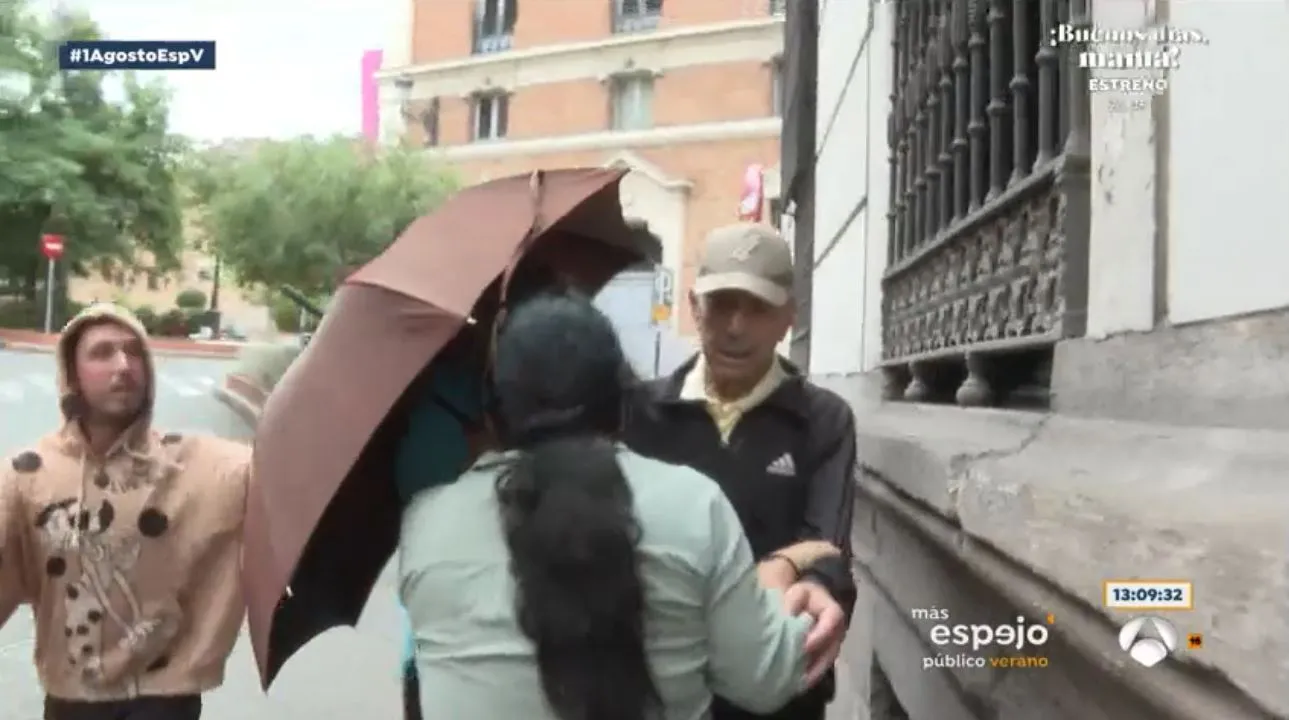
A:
{"x": 51, "y": 246}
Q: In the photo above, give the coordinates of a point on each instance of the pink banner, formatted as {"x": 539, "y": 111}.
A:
{"x": 371, "y": 102}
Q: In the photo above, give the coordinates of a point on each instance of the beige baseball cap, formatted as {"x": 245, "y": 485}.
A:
{"x": 750, "y": 257}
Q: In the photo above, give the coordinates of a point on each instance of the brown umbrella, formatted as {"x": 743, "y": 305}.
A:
{"x": 322, "y": 517}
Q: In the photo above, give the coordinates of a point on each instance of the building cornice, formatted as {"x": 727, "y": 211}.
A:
{"x": 614, "y": 141}
{"x": 631, "y": 161}
{"x": 657, "y": 51}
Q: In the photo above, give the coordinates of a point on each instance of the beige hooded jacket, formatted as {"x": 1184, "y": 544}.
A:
{"x": 131, "y": 561}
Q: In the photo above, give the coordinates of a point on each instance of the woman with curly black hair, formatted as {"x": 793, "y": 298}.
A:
{"x": 444, "y": 422}
{"x": 565, "y": 577}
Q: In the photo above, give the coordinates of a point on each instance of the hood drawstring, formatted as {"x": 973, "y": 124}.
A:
{"x": 160, "y": 467}
{"x": 78, "y": 527}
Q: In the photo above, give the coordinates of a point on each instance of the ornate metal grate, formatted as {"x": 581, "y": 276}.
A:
{"x": 988, "y": 223}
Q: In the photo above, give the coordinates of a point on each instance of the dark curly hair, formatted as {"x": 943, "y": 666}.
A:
{"x": 567, "y": 509}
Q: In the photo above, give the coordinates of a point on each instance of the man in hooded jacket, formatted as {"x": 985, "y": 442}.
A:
{"x": 125, "y": 541}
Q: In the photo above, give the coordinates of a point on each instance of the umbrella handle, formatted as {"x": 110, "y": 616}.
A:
{"x": 299, "y": 298}
{"x": 536, "y": 184}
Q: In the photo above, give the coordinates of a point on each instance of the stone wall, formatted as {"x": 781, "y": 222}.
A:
{"x": 994, "y": 514}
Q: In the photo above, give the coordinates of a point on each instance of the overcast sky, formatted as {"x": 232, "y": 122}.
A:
{"x": 285, "y": 67}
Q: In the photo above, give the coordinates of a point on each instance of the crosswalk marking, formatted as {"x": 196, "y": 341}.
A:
{"x": 43, "y": 383}
{"x": 36, "y": 387}
{"x": 181, "y": 389}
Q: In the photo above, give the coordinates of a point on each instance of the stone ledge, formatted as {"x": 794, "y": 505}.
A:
{"x": 1227, "y": 371}
{"x": 1079, "y": 501}
{"x": 242, "y": 396}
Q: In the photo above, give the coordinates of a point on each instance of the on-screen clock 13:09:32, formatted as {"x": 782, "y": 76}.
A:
{"x": 1152, "y": 595}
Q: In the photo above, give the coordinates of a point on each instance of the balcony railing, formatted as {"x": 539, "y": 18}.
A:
{"x": 492, "y": 43}
{"x": 635, "y": 23}
{"x": 636, "y": 15}
{"x": 988, "y": 223}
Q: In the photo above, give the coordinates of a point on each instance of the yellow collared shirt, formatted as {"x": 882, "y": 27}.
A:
{"x": 727, "y": 413}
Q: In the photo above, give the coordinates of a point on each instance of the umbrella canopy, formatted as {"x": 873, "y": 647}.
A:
{"x": 322, "y": 516}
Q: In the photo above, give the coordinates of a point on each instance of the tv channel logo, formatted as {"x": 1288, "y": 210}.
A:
{"x": 1148, "y": 639}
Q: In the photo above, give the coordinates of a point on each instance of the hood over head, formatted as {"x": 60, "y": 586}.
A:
{"x": 70, "y": 402}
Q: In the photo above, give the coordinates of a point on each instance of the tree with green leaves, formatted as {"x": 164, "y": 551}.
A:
{"x": 101, "y": 172}
{"x": 301, "y": 212}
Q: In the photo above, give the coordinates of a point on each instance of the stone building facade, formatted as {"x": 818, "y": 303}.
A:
{"x": 684, "y": 93}
{"x": 1059, "y": 316}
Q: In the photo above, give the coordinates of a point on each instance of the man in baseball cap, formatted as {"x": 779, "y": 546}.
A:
{"x": 781, "y": 447}
{"x": 742, "y": 304}
{"x": 748, "y": 257}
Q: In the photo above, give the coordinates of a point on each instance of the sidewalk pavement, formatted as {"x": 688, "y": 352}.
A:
{"x": 16, "y": 340}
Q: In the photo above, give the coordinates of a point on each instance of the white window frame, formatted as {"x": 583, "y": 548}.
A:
{"x": 495, "y": 36}
{"x": 489, "y": 105}
{"x": 499, "y": 8}
{"x": 631, "y": 105}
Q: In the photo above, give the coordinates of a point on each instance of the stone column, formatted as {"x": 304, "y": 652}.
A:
{"x": 1124, "y": 174}
{"x": 393, "y": 126}
{"x": 399, "y": 35}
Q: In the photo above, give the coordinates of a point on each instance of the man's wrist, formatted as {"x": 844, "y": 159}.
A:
{"x": 781, "y": 564}
{"x": 841, "y": 589}
{"x": 777, "y": 571}
{"x": 810, "y": 575}
{"x": 787, "y": 561}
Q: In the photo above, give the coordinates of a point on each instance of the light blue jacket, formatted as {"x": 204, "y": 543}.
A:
{"x": 712, "y": 628}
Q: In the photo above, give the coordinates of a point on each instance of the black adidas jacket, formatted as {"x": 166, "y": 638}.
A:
{"x": 789, "y": 471}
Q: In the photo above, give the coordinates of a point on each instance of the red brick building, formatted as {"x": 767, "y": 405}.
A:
{"x": 682, "y": 92}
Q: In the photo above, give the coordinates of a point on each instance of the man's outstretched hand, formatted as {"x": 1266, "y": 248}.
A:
{"x": 823, "y": 644}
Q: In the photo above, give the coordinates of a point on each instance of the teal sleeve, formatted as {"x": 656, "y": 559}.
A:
{"x": 435, "y": 449}
{"x": 409, "y": 640}
{"x": 433, "y": 452}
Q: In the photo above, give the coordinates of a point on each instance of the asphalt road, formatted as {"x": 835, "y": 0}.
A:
{"x": 345, "y": 674}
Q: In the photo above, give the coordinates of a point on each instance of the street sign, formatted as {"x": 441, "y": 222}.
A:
{"x": 663, "y": 296}
{"x": 51, "y": 246}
